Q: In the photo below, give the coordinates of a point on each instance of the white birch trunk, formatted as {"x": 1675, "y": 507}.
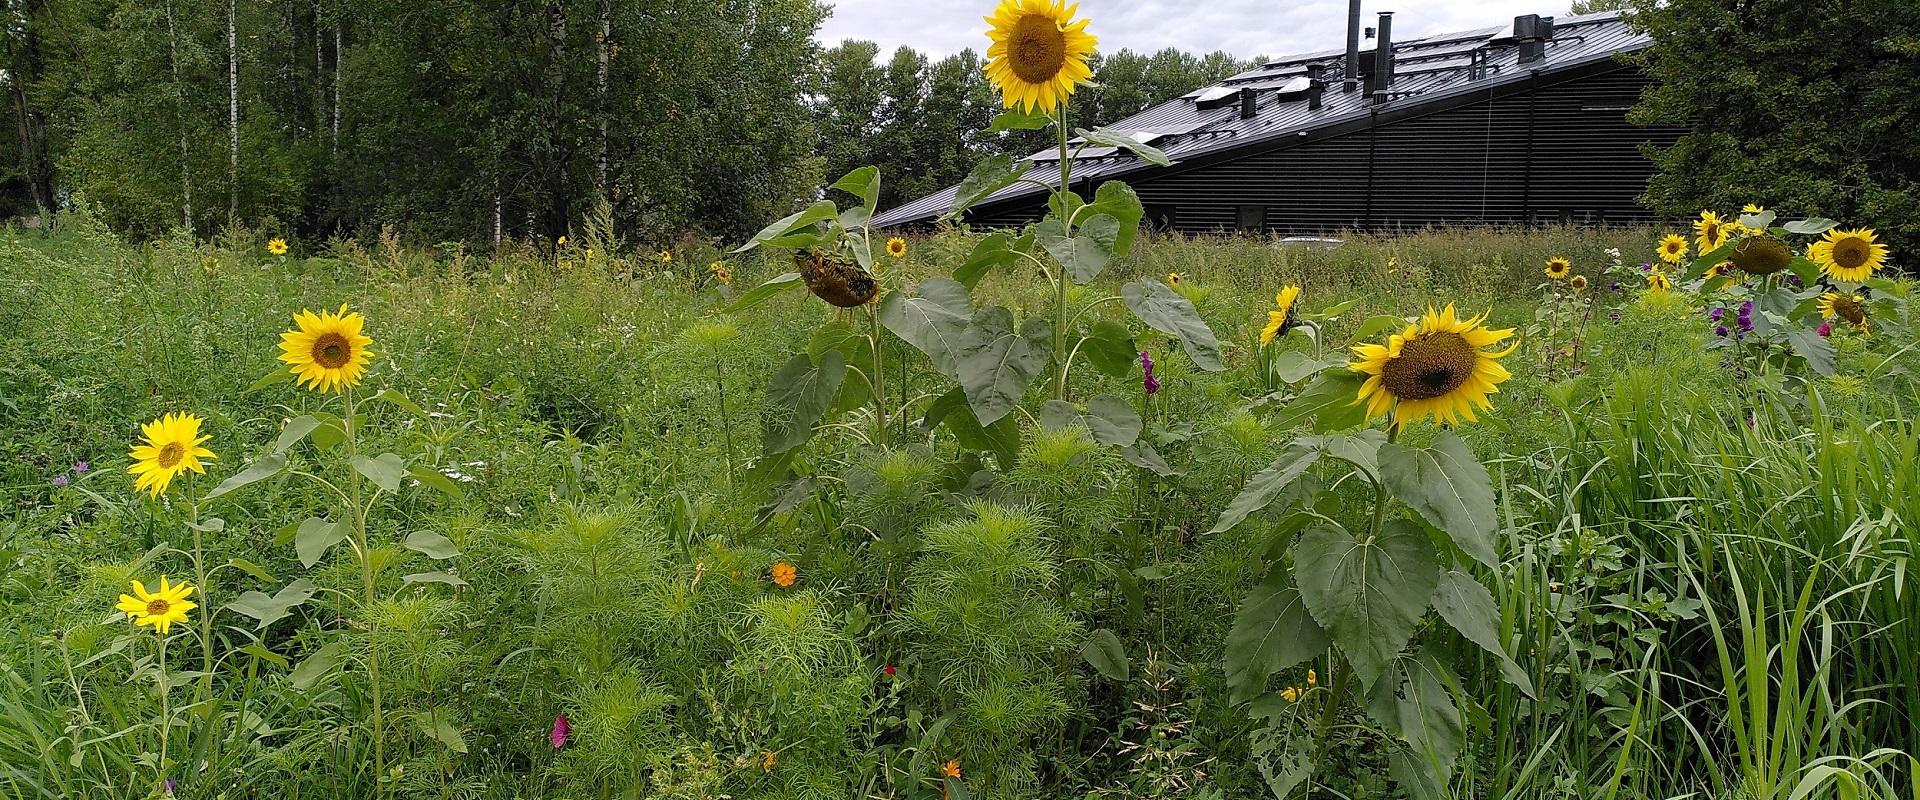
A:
{"x": 233, "y": 115}
{"x": 180, "y": 114}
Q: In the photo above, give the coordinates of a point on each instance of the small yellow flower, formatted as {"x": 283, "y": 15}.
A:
{"x": 767, "y": 759}
{"x": 1709, "y": 232}
{"x": 784, "y": 574}
{"x": 1558, "y": 267}
{"x": 160, "y": 609}
{"x": 561, "y": 242}
{"x": 1673, "y": 248}
{"x": 1280, "y": 320}
{"x": 1174, "y": 278}
{"x": 1753, "y": 208}
{"x": 1313, "y": 678}
{"x": 897, "y": 247}
{"x": 666, "y": 257}
{"x": 277, "y": 246}
{"x": 1291, "y": 693}
{"x": 173, "y": 447}
{"x": 327, "y": 351}
{"x": 721, "y": 272}
{"x": 951, "y": 769}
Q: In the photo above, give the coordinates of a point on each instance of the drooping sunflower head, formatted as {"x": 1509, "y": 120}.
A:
{"x": 277, "y": 246}
{"x": 1039, "y": 53}
{"x": 835, "y": 280}
{"x": 1849, "y": 256}
{"x": 173, "y": 445}
{"x": 1761, "y": 255}
{"x": 897, "y": 247}
{"x": 784, "y": 574}
{"x": 1281, "y": 319}
{"x": 1437, "y": 367}
{"x": 1673, "y": 248}
{"x": 1658, "y": 281}
{"x": 161, "y": 609}
{"x": 1849, "y": 307}
{"x": 1709, "y": 232}
{"x": 1558, "y": 267}
{"x": 327, "y": 351}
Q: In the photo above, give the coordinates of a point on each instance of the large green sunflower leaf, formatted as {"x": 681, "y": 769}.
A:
{"x": 797, "y": 397}
{"x": 1469, "y": 608}
{"x": 934, "y": 322}
{"x": 1272, "y": 632}
{"x": 1449, "y": 488}
{"x": 996, "y": 364}
{"x": 1368, "y": 595}
{"x": 1267, "y": 484}
{"x": 1163, "y": 309}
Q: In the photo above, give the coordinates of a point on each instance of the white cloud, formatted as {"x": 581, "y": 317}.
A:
{"x": 1245, "y": 28}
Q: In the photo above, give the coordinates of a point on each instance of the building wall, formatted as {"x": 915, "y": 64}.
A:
{"x": 1560, "y": 152}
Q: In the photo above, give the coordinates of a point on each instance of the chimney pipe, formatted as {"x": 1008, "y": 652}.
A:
{"x": 1351, "y": 81}
{"x": 1316, "y": 85}
{"x": 1249, "y": 103}
{"x": 1383, "y": 58}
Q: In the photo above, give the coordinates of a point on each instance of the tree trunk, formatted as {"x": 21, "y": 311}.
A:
{"x": 556, "y": 92}
{"x": 600, "y": 93}
{"x": 336, "y": 89}
{"x": 180, "y": 114}
{"x": 233, "y": 115}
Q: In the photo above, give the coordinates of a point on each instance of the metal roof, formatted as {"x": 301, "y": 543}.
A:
{"x": 1426, "y": 69}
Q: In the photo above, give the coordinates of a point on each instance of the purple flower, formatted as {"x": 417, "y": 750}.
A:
{"x": 1720, "y": 331}
{"x": 60, "y": 480}
{"x": 168, "y": 785}
{"x": 1613, "y": 287}
{"x": 1716, "y": 314}
{"x": 1149, "y": 383}
{"x": 1795, "y": 279}
{"x": 561, "y": 730}
{"x": 1746, "y": 309}
{"x": 81, "y": 467}
{"x": 1826, "y": 329}
{"x": 1614, "y": 315}
{"x": 1647, "y": 267}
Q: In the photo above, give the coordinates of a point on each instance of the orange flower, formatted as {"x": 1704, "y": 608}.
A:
{"x": 951, "y": 769}
{"x": 784, "y": 574}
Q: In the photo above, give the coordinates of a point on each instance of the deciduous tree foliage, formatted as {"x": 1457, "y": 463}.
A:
{"x": 1804, "y": 106}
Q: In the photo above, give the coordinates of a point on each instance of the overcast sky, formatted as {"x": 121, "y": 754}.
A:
{"x": 1244, "y": 28}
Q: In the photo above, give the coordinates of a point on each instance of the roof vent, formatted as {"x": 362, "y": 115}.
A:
{"x": 1215, "y": 97}
{"x": 1249, "y": 103}
{"x": 1316, "y": 85}
{"x": 1381, "y": 79}
{"x": 1532, "y": 32}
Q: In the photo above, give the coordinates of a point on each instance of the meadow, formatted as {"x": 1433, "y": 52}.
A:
{"x": 620, "y": 542}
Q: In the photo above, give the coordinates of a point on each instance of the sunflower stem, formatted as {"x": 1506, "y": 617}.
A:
{"x": 879, "y": 378}
{"x": 200, "y": 574}
{"x": 166, "y": 708}
{"x": 1060, "y": 280}
{"x": 367, "y": 597}
{"x": 726, "y": 422}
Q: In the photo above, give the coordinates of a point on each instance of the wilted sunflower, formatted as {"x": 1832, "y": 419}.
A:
{"x": 1849, "y": 256}
{"x": 1760, "y": 255}
{"x": 173, "y": 447}
{"x": 327, "y": 351}
{"x": 1673, "y": 248}
{"x": 1039, "y": 53}
{"x": 1579, "y": 283}
{"x": 897, "y": 247}
{"x": 277, "y": 246}
{"x": 1281, "y": 320}
{"x": 1558, "y": 267}
{"x": 1434, "y": 367}
{"x": 1709, "y": 232}
{"x": 834, "y": 280}
{"x": 159, "y": 609}
{"x": 1659, "y": 282}
{"x": 784, "y": 574}
{"x": 1849, "y": 307}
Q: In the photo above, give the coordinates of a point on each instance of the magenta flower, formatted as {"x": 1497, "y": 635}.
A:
{"x": 889, "y": 670}
{"x": 561, "y": 730}
{"x": 1149, "y": 383}
{"x": 1826, "y": 329}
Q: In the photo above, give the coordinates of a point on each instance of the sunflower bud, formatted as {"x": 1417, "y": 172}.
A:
{"x": 834, "y": 280}
{"x": 1761, "y": 255}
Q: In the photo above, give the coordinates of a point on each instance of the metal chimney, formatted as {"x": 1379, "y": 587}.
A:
{"x": 1351, "y": 82}
{"x": 1531, "y": 32}
{"x": 1316, "y": 85}
{"x": 1383, "y": 59}
{"x": 1249, "y": 103}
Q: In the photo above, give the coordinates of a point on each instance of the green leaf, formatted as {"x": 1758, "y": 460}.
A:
{"x": 1111, "y": 138}
{"x": 315, "y": 668}
{"x": 385, "y": 470}
{"x": 797, "y": 397}
{"x": 268, "y": 610}
{"x": 1164, "y": 310}
{"x": 996, "y": 365}
{"x": 989, "y": 176}
{"x": 439, "y": 725}
{"x": 1368, "y": 595}
{"x": 863, "y": 183}
{"x": 1758, "y": 222}
{"x": 1336, "y": 310}
{"x": 261, "y": 469}
{"x": 315, "y": 537}
{"x": 294, "y": 431}
{"x": 1116, "y": 199}
{"x": 1378, "y": 324}
{"x": 1328, "y": 401}
{"x": 1085, "y": 254}
{"x": 1469, "y": 608}
{"x": 1107, "y": 655}
{"x": 1264, "y": 486}
{"x": 260, "y": 651}
{"x": 760, "y": 294}
{"x": 1112, "y": 420}
{"x": 429, "y": 476}
{"x": 1810, "y": 345}
{"x": 276, "y": 377}
{"x": 250, "y": 568}
{"x": 1109, "y": 348}
{"x": 1018, "y": 121}
{"x": 934, "y": 323}
{"x": 431, "y": 544}
{"x": 1272, "y": 632}
{"x": 992, "y": 251}
{"x": 1699, "y": 266}
{"x": 1449, "y": 488}
{"x": 1812, "y": 226}
{"x": 1293, "y": 366}
{"x": 1142, "y": 455}
{"x": 400, "y": 401}
{"x": 1416, "y": 705}
{"x": 447, "y": 578}
{"x": 1002, "y": 438}
{"x": 820, "y": 211}
{"x": 1361, "y": 449}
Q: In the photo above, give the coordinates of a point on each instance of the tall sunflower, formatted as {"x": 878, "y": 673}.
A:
{"x": 1039, "y": 53}
{"x": 173, "y": 447}
{"x": 160, "y": 609}
{"x": 326, "y": 351}
{"x": 1558, "y": 267}
{"x": 1849, "y": 307}
{"x": 1849, "y": 256}
{"x": 1709, "y": 232}
{"x": 1281, "y": 320}
{"x": 1435, "y": 367}
{"x": 1673, "y": 248}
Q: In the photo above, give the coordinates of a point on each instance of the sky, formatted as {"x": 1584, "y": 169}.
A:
{"x": 1245, "y": 28}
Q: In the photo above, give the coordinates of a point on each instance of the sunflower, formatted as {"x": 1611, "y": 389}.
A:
{"x": 1709, "y": 232}
{"x": 666, "y": 256}
{"x": 1558, "y": 267}
{"x": 160, "y": 609}
{"x": 1174, "y": 278}
{"x": 1039, "y": 53}
{"x": 173, "y": 447}
{"x": 1435, "y": 367}
{"x": 277, "y": 246}
{"x": 327, "y": 351}
{"x": 721, "y": 272}
{"x": 1849, "y": 307}
{"x": 1281, "y": 320}
{"x": 1673, "y": 248}
{"x": 1850, "y": 256}
{"x": 784, "y": 574}
{"x": 897, "y": 247}
{"x": 1659, "y": 282}
{"x": 1753, "y": 208}
{"x": 1579, "y": 283}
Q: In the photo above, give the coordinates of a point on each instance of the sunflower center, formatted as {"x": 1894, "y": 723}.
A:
{"x": 1037, "y": 49}
{"x": 1851, "y": 252}
{"x": 331, "y": 350}
{"x": 1429, "y": 366}
{"x": 1850, "y": 310}
{"x": 158, "y": 607}
{"x": 1711, "y": 233}
{"x": 170, "y": 455}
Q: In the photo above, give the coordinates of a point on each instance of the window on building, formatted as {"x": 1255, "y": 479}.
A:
{"x": 1253, "y": 218}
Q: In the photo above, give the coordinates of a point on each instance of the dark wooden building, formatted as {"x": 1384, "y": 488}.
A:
{"x": 1519, "y": 124}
